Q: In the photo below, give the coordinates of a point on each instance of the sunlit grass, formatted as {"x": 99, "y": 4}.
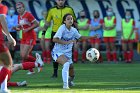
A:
{"x": 90, "y": 78}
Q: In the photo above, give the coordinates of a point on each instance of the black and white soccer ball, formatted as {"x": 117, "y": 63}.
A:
{"x": 92, "y": 54}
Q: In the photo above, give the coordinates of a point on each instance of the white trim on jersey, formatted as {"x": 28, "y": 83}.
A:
{"x": 3, "y": 14}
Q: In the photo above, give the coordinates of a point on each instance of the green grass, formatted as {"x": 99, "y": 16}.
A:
{"x": 90, "y": 78}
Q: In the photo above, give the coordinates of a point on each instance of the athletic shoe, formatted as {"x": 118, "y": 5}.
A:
{"x": 23, "y": 83}
{"x": 39, "y": 61}
{"x": 5, "y": 91}
{"x": 66, "y": 87}
{"x": 71, "y": 83}
{"x": 54, "y": 76}
{"x": 30, "y": 73}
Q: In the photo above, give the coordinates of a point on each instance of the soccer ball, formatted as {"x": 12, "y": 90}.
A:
{"x": 92, "y": 54}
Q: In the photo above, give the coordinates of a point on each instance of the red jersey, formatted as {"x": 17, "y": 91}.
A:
{"x": 25, "y": 21}
{"x": 3, "y": 11}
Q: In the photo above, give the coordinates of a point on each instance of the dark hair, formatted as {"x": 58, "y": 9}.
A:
{"x": 64, "y": 17}
{"x": 97, "y": 12}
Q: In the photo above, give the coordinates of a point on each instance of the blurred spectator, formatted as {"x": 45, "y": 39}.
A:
{"x": 96, "y": 29}
{"x": 12, "y": 20}
{"x": 45, "y": 40}
{"x": 83, "y": 26}
{"x": 128, "y": 36}
{"x": 109, "y": 34}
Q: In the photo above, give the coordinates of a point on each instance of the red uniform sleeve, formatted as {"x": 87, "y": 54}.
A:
{"x": 115, "y": 21}
{"x": 88, "y": 22}
{"x": 3, "y": 10}
{"x": 101, "y": 21}
{"x": 31, "y": 18}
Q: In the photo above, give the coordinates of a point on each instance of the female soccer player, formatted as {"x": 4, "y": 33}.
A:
{"x": 96, "y": 28}
{"x": 5, "y": 57}
{"x": 83, "y": 27}
{"x": 128, "y": 36}
{"x": 109, "y": 34}
{"x": 64, "y": 39}
{"x": 45, "y": 40}
{"x": 27, "y": 23}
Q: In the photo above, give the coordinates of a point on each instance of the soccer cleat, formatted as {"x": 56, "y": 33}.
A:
{"x": 71, "y": 83}
{"x": 66, "y": 87}
{"x": 23, "y": 83}
{"x": 30, "y": 73}
{"x": 54, "y": 76}
{"x": 5, "y": 91}
{"x": 39, "y": 60}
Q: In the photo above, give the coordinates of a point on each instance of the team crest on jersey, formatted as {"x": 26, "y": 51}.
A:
{"x": 24, "y": 21}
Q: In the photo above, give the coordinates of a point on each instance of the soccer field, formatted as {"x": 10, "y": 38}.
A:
{"x": 90, "y": 78}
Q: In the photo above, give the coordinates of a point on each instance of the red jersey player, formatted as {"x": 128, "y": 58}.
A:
{"x": 5, "y": 57}
{"x": 27, "y": 23}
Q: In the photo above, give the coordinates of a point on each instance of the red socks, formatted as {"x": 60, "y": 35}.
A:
{"x": 12, "y": 84}
{"x": 28, "y": 65}
{"x": 108, "y": 56}
{"x": 75, "y": 56}
{"x": 48, "y": 55}
{"x": 128, "y": 56}
{"x": 125, "y": 56}
{"x": 100, "y": 58}
{"x": 83, "y": 56}
{"x": 3, "y": 73}
{"x": 114, "y": 56}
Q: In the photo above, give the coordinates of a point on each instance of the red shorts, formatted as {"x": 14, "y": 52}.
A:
{"x": 95, "y": 40}
{"x": 3, "y": 47}
{"x": 28, "y": 41}
{"x": 109, "y": 39}
{"x": 47, "y": 40}
{"x": 128, "y": 41}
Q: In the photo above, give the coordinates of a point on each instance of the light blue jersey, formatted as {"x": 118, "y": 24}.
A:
{"x": 11, "y": 22}
{"x": 98, "y": 32}
{"x": 64, "y": 34}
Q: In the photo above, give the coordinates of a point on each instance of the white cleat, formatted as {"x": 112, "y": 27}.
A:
{"x": 66, "y": 87}
{"x": 5, "y": 91}
{"x": 39, "y": 61}
{"x": 30, "y": 73}
{"x": 23, "y": 83}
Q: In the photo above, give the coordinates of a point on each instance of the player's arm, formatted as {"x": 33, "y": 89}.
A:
{"x": 57, "y": 40}
{"x": 5, "y": 30}
{"x": 86, "y": 27}
{"x": 114, "y": 25}
{"x": 35, "y": 24}
{"x": 79, "y": 37}
{"x": 44, "y": 29}
{"x": 97, "y": 27}
{"x": 4, "y": 25}
{"x": 47, "y": 22}
{"x": 132, "y": 31}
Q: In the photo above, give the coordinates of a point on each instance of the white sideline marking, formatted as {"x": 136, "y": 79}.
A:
{"x": 127, "y": 88}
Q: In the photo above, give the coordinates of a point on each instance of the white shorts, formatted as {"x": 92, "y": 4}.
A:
{"x": 56, "y": 55}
